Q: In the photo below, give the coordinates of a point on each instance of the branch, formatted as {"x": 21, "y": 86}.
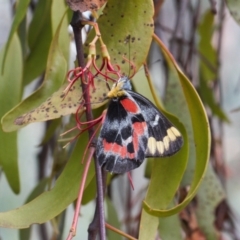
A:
{"x": 77, "y": 26}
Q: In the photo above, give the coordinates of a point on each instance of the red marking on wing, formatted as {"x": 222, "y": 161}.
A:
{"x": 129, "y": 105}
{"x": 139, "y": 127}
{"x": 117, "y": 149}
{"x": 138, "y": 130}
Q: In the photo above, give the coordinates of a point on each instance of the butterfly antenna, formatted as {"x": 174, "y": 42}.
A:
{"x": 73, "y": 139}
{"x": 69, "y": 130}
{"x": 132, "y": 66}
{"x": 129, "y": 56}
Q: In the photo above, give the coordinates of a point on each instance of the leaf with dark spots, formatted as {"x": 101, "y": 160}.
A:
{"x": 57, "y": 106}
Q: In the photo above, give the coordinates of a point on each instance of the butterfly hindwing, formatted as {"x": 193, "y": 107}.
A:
{"x": 123, "y": 138}
{"x": 164, "y": 139}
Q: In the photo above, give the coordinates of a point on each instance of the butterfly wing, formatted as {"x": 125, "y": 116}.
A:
{"x": 123, "y": 138}
{"x": 163, "y": 138}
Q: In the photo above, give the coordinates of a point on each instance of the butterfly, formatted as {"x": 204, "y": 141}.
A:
{"x": 133, "y": 129}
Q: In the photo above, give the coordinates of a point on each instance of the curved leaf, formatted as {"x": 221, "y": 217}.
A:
{"x": 201, "y": 140}
{"x": 10, "y": 93}
{"x": 166, "y": 173}
{"x": 58, "y": 9}
{"x": 39, "y": 41}
{"x": 58, "y": 105}
{"x": 112, "y": 218}
{"x": 208, "y": 72}
{"x": 54, "y": 77}
{"x": 53, "y": 202}
{"x": 25, "y": 233}
{"x": 21, "y": 10}
{"x": 206, "y": 50}
{"x": 166, "y": 228}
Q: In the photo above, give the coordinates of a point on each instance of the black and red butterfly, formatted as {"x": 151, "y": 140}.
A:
{"x": 132, "y": 130}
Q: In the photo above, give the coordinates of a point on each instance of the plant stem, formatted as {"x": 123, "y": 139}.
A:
{"x": 94, "y": 226}
{"x": 77, "y": 26}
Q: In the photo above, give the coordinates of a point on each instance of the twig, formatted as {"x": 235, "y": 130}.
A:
{"x": 176, "y": 41}
{"x": 213, "y": 6}
{"x": 72, "y": 232}
{"x": 119, "y": 232}
{"x": 217, "y": 145}
{"x": 188, "y": 63}
{"x": 94, "y": 225}
{"x": 157, "y": 7}
{"x": 77, "y": 26}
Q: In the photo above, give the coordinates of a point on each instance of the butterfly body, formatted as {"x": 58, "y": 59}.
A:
{"x": 132, "y": 130}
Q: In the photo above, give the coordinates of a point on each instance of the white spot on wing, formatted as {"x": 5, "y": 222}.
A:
{"x": 127, "y": 141}
{"x": 160, "y": 147}
{"x": 176, "y": 132}
{"x": 155, "y": 123}
{"x": 171, "y": 134}
{"x": 152, "y": 145}
{"x": 166, "y": 141}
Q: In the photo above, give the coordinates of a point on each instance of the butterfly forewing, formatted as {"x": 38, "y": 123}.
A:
{"x": 164, "y": 139}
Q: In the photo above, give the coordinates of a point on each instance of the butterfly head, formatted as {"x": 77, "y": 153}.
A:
{"x": 118, "y": 89}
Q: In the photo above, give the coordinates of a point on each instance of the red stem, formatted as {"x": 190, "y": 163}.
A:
{"x": 72, "y": 232}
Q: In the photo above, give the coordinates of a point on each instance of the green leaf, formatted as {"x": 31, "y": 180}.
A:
{"x": 39, "y": 40}
{"x": 53, "y": 202}
{"x": 58, "y": 105}
{"x": 112, "y": 218}
{"x": 158, "y": 206}
{"x": 58, "y": 11}
{"x": 166, "y": 172}
{"x": 207, "y": 95}
{"x": 121, "y": 19}
{"x": 163, "y": 167}
{"x": 234, "y": 9}
{"x": 166, "y": 175}
{"x": 148, "y": 226}
{"x": 10, "y": 93}
{"x": 209, "y": 196}
{"x": 176, "y": 102}
{"x": 25, "y": 233}
{"x": 208, "y": 65}
{"x": 54, "y": 77}
{"x": 208, "y": 60}
{"x": 21, "y": 10}
{"x": 166, "y": 228}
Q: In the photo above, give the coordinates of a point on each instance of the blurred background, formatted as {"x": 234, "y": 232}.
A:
{"x": 204, "y": 37}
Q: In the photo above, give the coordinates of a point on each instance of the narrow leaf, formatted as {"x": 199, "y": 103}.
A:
{"x": 54, "y": 77}
{"x": 10, "y": 93}
{"x": 209, "y": 196}
{"x": 53, "y": 202}
{"x": 201, "y": 139}
{"x": 25, "y": 233}
{"x": 166, "y": 231}
{"x": 21, "y": 10}
{"x": 39, "y": 40}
